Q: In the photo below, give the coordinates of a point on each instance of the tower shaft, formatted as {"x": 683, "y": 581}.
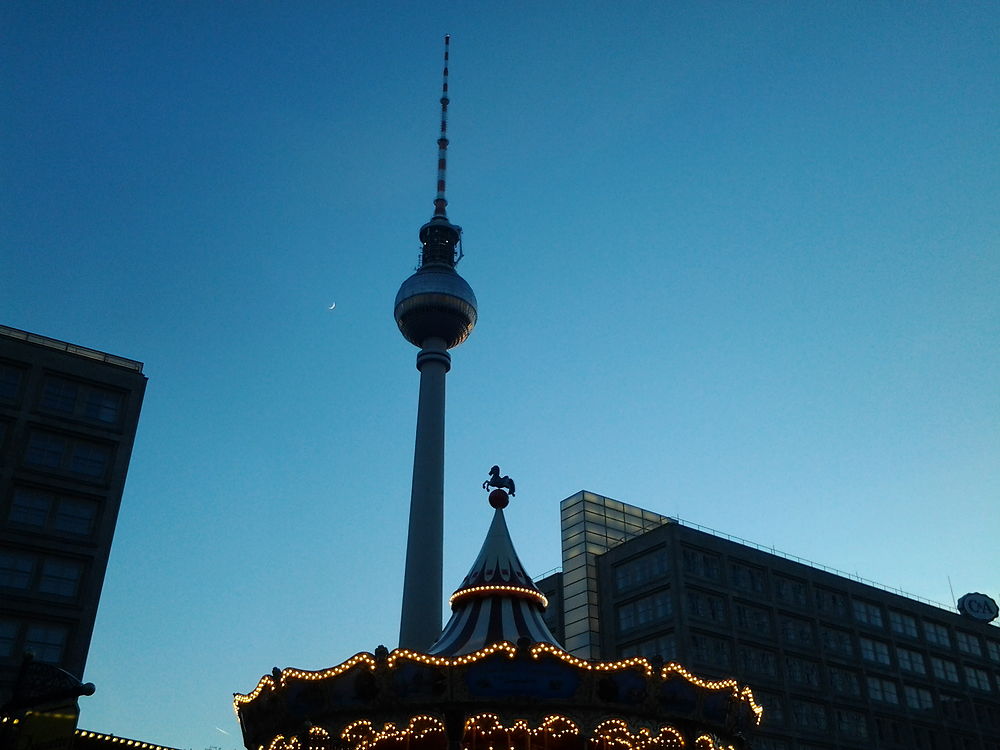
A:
{"x": 420, "y": 624}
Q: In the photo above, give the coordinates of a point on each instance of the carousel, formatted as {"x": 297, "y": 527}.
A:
{"x": 496, "y": 679}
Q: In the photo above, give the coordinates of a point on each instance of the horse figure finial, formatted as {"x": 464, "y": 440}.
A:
{"x": 502, "y": 483}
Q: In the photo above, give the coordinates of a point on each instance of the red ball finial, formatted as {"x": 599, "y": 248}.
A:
{"x": 499, "y": 499}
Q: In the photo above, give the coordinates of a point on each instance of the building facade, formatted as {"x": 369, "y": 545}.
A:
{"x": 68, "y": 419}
{"x": 836, "y": 663}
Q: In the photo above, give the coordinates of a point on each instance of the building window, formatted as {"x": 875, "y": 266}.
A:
{"x": 918, "y": 698}
{"x": 664, "y": 647}
{"x": 910, "y": 661}
{"x": 747, "y": 577}
{"x": 845, "y": 682}
{"x": 650, "y": 567}
{"x": 902, "y": 624}
{"x": 17, "y": 570}
{"x": 883, "y": 691}
{"x": 60, "y": 577}
{"x": 710, "y": 650}
{"x": 944, "y": 669}
{"x": 30, "y": 508}
{"x": 59, "y": 395}
{"x": 809, "y": 715}
{"x": 802, "y": 671}
{"x": 50, "y": 451}
{"x": 977, "y": 678}
{"x": 90, "y": 459}
{"x": 868, "y": 613}
{"x": 103, "y": 406}
{"x": 790, "y": 590}
{"x": 10, "y": 382}
{"x": 88, "y": 402}
{"x": 831, "y": 603}
{"x": 968, "y": 643}
{"x": 34, "y": 508}
{"x": 46, "y": 450}
{"x": 796, "y": 631}
{"x": 700, "y": 563}
{"x": 752, "y": 619}
{"x": 852, "y": 724}
{"x": 47, "y": 642}
{"x": 993, "y": 651}
{"x": 757, "y": 661}
{"x": 938, "y": 634}
{"x": 75, "y": 516}
{"x": 649, "y": 609}
{"x": 876, "y": 651}
{"x": 706, "y": 606}
{"x": 837, "y": 641}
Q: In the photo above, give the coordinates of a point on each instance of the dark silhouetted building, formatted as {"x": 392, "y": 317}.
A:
{"x": 68, "y": 418}
{"x": 835, "y": 661}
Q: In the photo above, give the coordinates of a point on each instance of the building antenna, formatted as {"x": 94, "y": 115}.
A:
{"x": 440, "y": 203}
{"x": 953, "y": 599}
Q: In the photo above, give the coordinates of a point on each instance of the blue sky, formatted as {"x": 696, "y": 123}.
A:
{"x": 736, "y": 262}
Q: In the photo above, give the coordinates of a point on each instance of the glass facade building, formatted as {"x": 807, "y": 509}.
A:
{"x": 591, "y": 525}
{"x": 837, "y": 663}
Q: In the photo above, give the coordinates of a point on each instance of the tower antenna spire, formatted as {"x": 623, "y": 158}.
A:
{"x": 440, "y": 203}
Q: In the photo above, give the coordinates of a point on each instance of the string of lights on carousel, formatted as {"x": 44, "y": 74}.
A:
{"x": 485, "y": 731}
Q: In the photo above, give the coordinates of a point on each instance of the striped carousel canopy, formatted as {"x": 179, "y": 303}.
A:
{"x": 496, "y": 602}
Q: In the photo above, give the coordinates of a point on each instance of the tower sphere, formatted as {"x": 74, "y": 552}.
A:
{"x": 435, "y": 302}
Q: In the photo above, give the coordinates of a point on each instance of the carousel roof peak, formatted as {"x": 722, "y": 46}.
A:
{"x": 497, "y": 600}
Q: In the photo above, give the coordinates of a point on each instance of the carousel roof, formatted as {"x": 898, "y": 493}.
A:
{"x": 496, "y": 602}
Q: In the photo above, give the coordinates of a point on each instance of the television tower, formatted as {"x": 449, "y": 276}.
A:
{"x": 436, "y": 311}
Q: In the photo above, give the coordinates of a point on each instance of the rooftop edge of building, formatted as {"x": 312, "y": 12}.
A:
{"x": 763, "y": 549}
{"x": 73, "y": 349}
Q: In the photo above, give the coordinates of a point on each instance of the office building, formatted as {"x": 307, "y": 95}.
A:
{"x": 836, "y": 662}
{"x": 68, "y": 418}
